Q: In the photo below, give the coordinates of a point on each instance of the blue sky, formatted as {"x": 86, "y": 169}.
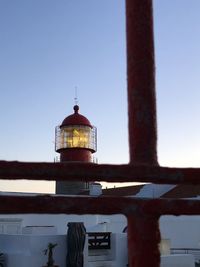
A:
{"x": 49, "y": 47}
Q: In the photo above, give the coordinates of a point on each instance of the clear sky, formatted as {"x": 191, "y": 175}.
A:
{"x": 49, "y": 47}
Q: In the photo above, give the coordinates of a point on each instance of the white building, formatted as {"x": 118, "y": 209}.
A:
{"x": 24, "y": 237}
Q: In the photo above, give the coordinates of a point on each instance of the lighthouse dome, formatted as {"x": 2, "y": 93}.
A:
{"x": 76, "y": 119}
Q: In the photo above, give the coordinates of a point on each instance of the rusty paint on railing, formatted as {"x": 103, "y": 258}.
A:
{"x": 128, "y": 206}
{"x": 141, "y": 82}
{"x": 76, "y": 171}
{"x": 143, "y": 240}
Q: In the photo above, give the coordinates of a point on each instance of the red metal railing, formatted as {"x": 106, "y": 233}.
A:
{"x": 142, "y": 214}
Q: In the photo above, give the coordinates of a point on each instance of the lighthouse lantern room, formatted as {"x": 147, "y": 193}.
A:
{"x": 77, "y": 136}
{"x": 75, "y": 140}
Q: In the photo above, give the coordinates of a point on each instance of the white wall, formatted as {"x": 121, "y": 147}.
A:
{"x": 121, "y": 250}
{"x": 60, "y": 221}
{"x": 10, "y": 226}
{"x": 93, "y": 223}
{"x": 154, "y": 190}
{"x": 28, "y": 250}
{"x": 116, "y": 256}
{"x": 183, "y": 231}
{"x": 177, "y": 261}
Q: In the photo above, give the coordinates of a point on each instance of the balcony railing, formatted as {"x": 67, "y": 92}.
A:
{"x": 99, "y": 240}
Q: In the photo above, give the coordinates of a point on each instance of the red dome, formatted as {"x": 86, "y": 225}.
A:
{"x": 76, "y": 119}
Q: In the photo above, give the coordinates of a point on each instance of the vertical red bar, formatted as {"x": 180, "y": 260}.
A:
{"x": 143, "y": 241}
{"x": 141, "y": 82}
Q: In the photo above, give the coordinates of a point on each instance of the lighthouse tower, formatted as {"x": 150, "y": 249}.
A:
{"x": 76, "y": 140}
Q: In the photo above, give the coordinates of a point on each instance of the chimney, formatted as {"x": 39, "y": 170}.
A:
{"x": 95, "y": 189}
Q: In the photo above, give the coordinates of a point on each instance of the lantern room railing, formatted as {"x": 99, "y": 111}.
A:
{"x": 142, "y": 214}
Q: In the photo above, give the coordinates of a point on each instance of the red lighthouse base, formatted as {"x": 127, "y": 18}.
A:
{"x": 73, "y": 188}
{"x": 78, "y": 154}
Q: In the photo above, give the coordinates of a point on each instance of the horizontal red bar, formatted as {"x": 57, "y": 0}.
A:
{"x": 97, "y": 172}
{"x": 97, "y": 205}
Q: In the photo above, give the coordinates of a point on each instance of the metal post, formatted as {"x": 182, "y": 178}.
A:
{"x": 141, "y": 82}
{"x": 143, "y": 241}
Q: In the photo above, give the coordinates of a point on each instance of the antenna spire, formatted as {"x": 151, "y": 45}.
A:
{"x": 76, "y": 96}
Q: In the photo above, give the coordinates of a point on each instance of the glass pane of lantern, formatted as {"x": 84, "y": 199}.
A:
{"x": 76, "y": 136}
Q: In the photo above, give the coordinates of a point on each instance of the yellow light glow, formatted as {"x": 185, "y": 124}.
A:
{"x": 75, "y": 137}
{"x": 79, "y": 138}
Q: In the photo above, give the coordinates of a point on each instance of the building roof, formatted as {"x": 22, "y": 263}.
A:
{"x": 179, "y": 191}
{"x": 183, "y": 191}
{"x": 122, "y": 191}
{"x": 76, "y": 119}
{"x": 117, "y": 191}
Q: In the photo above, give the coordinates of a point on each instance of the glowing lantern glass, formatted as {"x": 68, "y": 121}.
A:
{"x": 75, "y": 136}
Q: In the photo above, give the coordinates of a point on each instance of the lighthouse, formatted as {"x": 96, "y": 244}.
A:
{"x": 75, "y": 140}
